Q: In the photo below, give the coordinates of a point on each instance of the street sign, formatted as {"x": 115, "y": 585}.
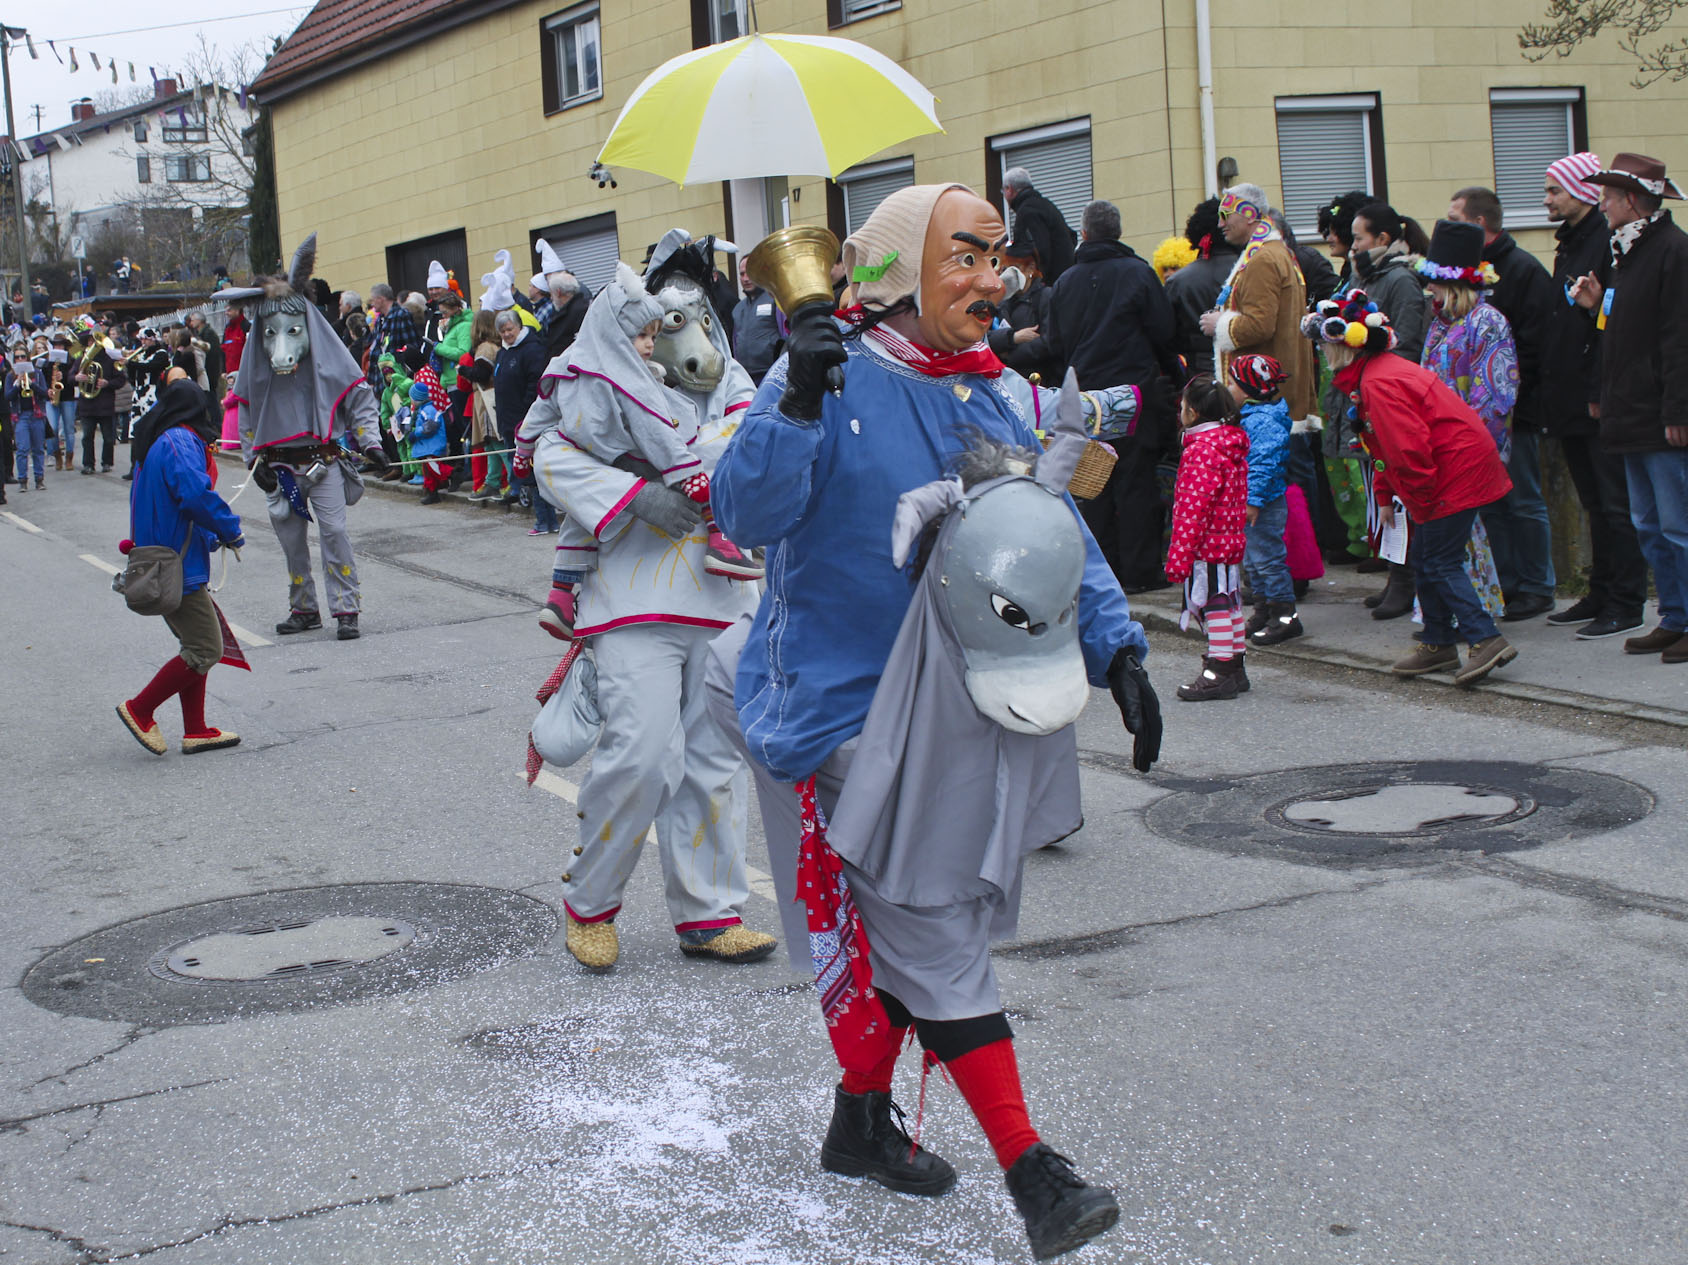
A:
{"x": 78, "y": 248}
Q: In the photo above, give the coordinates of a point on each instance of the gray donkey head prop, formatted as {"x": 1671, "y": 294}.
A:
{"x": 1009, "y": 557}
{"x": 280, "y": 313}
{"x": 692, "y": 344}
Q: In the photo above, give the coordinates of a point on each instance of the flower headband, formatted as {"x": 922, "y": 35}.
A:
{"x": 1483, "y": 276}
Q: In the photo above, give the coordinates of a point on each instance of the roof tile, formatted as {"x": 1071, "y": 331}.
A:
{"x": 336, "y": 27}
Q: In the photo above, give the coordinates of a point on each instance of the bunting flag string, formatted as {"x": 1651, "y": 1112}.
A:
{"x": 54, "y": 50}
{"x": 72, "y": 50}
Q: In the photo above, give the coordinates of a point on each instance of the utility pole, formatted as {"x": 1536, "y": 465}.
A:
{"x": 7, "y": 35}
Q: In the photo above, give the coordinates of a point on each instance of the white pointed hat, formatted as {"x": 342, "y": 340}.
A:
{"x": 549, "y": 260}
{"x": 437, "y": 280}
{"x": 500, "y": 284}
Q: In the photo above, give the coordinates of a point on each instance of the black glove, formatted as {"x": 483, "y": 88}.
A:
{"x": 375, "y": 457}
{"x": 639, "y": 466}
{"x": 672, "y": 513}
{"x": 264, "y": 477}
{"x": 1138, "y": 707}
{"x": 814, "y": 354}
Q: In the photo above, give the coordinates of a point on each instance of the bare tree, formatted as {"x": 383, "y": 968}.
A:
{"x": 1572, "y": 22}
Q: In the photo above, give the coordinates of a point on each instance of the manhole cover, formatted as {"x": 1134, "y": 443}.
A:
{"x": 1400, "y": 810}
{"x": 277, "y": 951}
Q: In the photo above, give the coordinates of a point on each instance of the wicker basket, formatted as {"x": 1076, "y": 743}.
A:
{"x": 1090, "y": 476}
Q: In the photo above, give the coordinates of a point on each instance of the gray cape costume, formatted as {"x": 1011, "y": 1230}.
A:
{"x": 318, "y": 402}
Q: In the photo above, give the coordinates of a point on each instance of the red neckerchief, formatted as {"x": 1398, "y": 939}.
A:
{"x": 978, "y": 358}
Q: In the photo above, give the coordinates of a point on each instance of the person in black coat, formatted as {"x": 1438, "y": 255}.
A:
{"x": 569, "y": 303}
{"x": 1110, "y": 322}
{"x": 515, "y": 383}
{"x": 1194, "y": 288}
{"x": 1022, "y": 346}
{"x": 1642, "y": 294}
{"x": 1038, "y": 223}
{"x": 1570, "y": 412}
{"x": 1519, "y": 532}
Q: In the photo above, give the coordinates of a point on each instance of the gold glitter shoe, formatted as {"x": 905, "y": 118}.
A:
{"x": 594, "y": 944}
{"x": 735, "y": 944}
{"x": 216, "y": 740}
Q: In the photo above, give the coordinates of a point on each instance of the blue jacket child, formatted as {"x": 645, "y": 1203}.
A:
{"x": 1266, "y": 419}
{"x": 427, "y": 428}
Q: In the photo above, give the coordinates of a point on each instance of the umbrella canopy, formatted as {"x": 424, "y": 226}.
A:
{"x": 768, "y": 105}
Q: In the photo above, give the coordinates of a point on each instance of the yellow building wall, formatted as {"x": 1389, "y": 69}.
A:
{"x": 451, "y": 133}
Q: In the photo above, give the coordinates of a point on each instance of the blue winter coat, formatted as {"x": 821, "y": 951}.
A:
{"x": 427, "y": 433}
{"x": 821, "y": 496}
{"x": 1268, "y": 428}
{"x": 173, "y": 489}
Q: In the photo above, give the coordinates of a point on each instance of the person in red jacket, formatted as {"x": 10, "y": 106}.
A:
{"x": 1430, "y": 452}
{"x": 234, "y": 339}
{"x": 1209, "y": 533}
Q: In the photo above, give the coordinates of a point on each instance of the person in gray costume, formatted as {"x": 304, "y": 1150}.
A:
{"x": 300, "y": 395}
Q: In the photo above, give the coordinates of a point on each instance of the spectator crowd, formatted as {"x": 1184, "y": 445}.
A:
{"x": 1591, "y": 353}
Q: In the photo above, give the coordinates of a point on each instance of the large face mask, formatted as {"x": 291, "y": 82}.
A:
{"x": 683, "y": 346}
{"x": 286, "y": 341}
{"x": 959, "y": 285}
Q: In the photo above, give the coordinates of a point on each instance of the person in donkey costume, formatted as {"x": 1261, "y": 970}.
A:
{"x": 301, "y": 394}
{"x": 910, "y": 729}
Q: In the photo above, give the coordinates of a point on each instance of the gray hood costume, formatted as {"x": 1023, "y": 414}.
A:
{"x": 300, "y": 392}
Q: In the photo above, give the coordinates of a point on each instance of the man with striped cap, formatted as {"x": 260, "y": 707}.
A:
{"x": 1617, "y": 582}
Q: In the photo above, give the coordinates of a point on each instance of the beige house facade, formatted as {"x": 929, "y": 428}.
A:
{"x": 455, "y": 129}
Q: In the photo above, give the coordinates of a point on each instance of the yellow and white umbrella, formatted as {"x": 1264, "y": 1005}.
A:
{"x": 768, "y": 105}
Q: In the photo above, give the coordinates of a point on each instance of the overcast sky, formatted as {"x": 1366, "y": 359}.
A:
{"x": 108, "y": 28}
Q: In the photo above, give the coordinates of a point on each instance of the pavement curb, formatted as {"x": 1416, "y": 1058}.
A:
{"x": 1308, "y": 650}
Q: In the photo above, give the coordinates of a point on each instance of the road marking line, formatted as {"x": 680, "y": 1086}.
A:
{"x": 100, "y": 563}
{"x": 24, "y": 523}
{"x": 761, "y": 883}
{"x": 247, "y": 635}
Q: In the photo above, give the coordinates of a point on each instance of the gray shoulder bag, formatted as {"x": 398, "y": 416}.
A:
{"x": 151, "y": 583}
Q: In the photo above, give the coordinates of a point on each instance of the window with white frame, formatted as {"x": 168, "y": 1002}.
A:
{"x": 184, "y": 125}
{"x": 726, "y": 20}
{"x": 1058, "y": 158}
{"x": 143, "y": 169}
{"x": 1327, "y": 146}
{"x": 141, "y": 131}
{"x": 866, "y": 185}
{"x": 843, "y": 12}
{"x": 573, "y": 70}
{"x": 187, "y": 168}
{"x": 1531, "y": 128}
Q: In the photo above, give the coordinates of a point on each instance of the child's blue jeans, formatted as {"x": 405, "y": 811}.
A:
{"x": 1266, "y": 559}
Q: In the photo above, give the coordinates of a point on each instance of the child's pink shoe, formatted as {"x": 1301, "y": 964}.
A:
{"x": 557, "y": 615}
{"x": 727, "y": 559}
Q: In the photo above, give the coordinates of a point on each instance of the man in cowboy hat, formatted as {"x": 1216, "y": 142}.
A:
{"x": 1641, "y": 300}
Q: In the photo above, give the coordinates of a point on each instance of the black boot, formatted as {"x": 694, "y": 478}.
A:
{"x": 1239, "y": 669}
{"x": 864, "y": 1141}
{"x": 1398, "y": 597}
{"x": 1281, "y": 624}
{"x": 348, "y": 629}
{"x": 1256, "y": 620}
{"x": 1061, "y": 1212}
{"x": 1216, "y": 681}
{"x": 298, "y": 622}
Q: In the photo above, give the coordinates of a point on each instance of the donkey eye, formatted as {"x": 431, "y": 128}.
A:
{"x": 674, "y": 320}
{"x": 1009, "y": 613}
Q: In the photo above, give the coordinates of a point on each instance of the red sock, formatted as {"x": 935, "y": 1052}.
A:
{"x": 193, "y": 707}
{"x": 172, "y": 678}
{"x": 878, "y": 1080}
{"x": 989, "y": 1079}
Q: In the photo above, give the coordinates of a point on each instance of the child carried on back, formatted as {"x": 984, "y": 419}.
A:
{"x": 609, "y": 400}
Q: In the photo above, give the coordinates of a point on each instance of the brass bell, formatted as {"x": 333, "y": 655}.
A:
{"x": 795, "y": 266}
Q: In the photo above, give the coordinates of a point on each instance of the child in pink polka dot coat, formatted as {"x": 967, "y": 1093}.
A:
{"x": 1209, "y": 534}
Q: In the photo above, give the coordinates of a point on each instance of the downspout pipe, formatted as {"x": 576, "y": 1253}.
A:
{"x": 1204, "y": 84}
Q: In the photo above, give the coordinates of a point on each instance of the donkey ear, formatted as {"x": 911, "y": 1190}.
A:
{"x": 915, "y": 509}
{"x": 1068, "y": 439}
{"x": 303, "y": 265}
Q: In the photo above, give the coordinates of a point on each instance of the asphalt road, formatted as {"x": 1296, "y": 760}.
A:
{"x": 1277, "y": 1045}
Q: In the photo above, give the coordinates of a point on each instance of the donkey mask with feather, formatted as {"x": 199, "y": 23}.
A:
{"x": 1010, "y": 558}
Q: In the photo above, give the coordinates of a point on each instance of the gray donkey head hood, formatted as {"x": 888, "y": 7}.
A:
{"x": 967, "y": 759}
{"x": 298, "y": 404}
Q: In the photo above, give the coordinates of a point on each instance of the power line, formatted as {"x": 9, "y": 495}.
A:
{"x": 167, "y": 26}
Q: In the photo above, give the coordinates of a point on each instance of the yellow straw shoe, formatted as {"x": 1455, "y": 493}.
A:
{"x": 149, "y": 737}
{"x": 595, "y": 945}
{"x": 735, "y": 944}
{"x": 213, "y": 741}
